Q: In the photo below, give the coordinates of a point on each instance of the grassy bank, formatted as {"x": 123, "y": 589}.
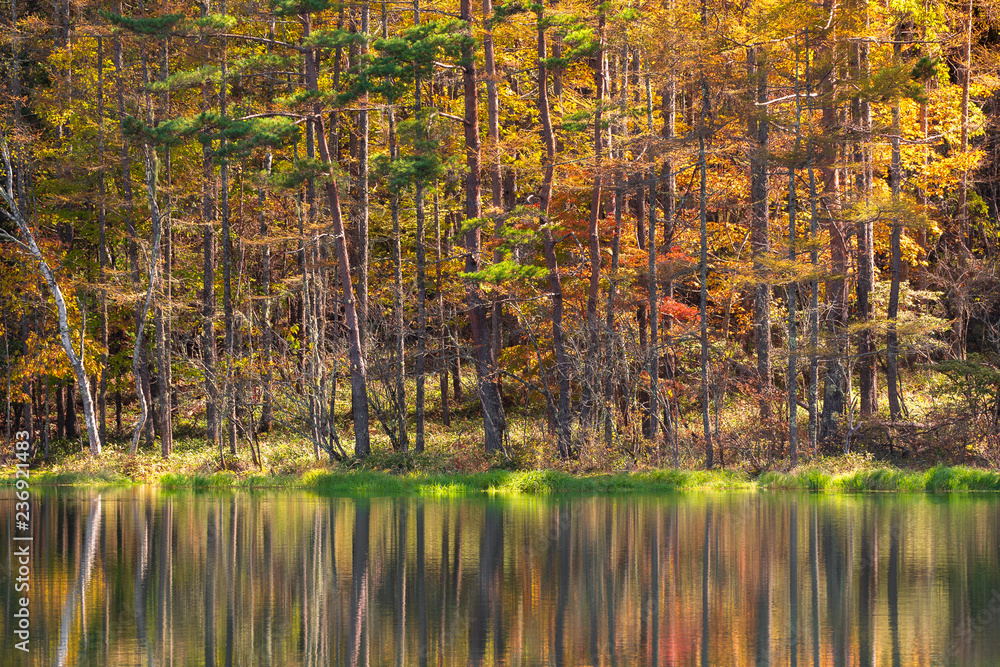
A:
{"x": 826, "y": 475}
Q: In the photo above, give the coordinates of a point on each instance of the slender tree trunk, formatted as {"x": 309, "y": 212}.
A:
{"x": 963, "y": 190}
{"x": 834, "y": 385}
{"x": 154, "y": 262}
{"x": 421, "y": 360}
{"x": 549, "y": 244}
{"x": 163, "y": 308}
{"x": 494, "y": 420}
{"x": 359, "y": 370}
{"x": 758, "y": 126}
{"x": 208, "y": 346}
{"x": 892, "y": 338}
{"x": 227, "y": 266}
{"x": 442, "y": 340}
{"x": 867, "y": 350}
{"x": 102, "y": 251}
{"x": 267, "y": 398}
{"x": 140, "y": 364}
{"x": 703, "y": 217}
{"x": 402, "y": 441}
{"x": 653, "y": 293}
{"x": 363, "y": 196}
{"x": 593, "y": 229}
{"x": 793, "y": 405}
{"x": 814, "y": 265}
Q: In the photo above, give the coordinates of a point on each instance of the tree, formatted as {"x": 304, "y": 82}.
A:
{"x": 14, "y": 181}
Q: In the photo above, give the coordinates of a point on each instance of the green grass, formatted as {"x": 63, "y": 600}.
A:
{"x": 362, "y": 482}
{"x": 935, "y": 480}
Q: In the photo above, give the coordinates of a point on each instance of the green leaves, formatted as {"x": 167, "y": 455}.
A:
{"x": 507, "y": 271}
{"x": 154, "y": 26}
{"x": 297, "y": 7}
{"x": 399, "y": 60}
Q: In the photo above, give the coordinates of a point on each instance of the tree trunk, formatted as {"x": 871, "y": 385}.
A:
{"x": 421, "y": 360}
{"x": 442, "y": 340}
{"x": 363, "y": 196}
{"x": 163, "y": 306}
{"x": 703, "y": 218}
{"x": 549, "y": 244}
{"x": 267, "y": 398}
{"x": 227, "y": 267}
{"x": 359, "y": 371}
{"x": 892, "y": 339}
{"x": 140, "y": 364}
{"x": 494, "y": 420}
{"x": 593, "y": 232}
{"x": 757, "y": 127}
{"x": 834, "y": 385}
{"x": 16, "y": 214}
{"x": 401, "y": 441}
{"x": 102, "y": 250}
{"x": 653, "y": 296}
{"x": 154, "y": 262}
{"x": 867, "y": 349}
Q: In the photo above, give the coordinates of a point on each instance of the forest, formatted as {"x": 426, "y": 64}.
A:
{"x": 686, "y": 232}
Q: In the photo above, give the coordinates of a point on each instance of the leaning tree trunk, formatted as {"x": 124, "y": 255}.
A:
{"x": 16, "y": 214}
{"x": 359, "y": 371}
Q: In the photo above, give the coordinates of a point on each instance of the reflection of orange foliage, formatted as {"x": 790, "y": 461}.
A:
{"x": 677, "y": 310}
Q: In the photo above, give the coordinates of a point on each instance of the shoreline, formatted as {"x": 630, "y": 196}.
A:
{"x": 812, "y": 478}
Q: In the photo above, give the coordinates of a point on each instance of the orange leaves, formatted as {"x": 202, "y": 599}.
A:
{"x": 677, "y": 311}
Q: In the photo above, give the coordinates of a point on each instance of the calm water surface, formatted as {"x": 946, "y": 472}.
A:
{"x": 140, "y": 577}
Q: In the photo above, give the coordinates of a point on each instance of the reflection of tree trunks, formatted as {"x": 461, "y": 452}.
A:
{"x": 834, "y": 560}
{"x": 79, "y": 590}
{"x": 165, "y": 586}
{"x": 763, "y": 611}
{"x": 654, "y": 576}
{"x": 490, "y": 568}
{"x": 421, "y": 588}
{"x": 793, "y": 584}
{"x": 359, "y": 585}
{"x": 401, "y": 511}
{"x": 210, "y": 557}
{"x": 705, "y": 561}
{"x": 868, "y": 587}
{"x": 562, "y": 599}
{"x": 231, "y": 583}
{"x": 140, "y": 587}
{"x": 893, "y": 587}
{"x": 814, "y": 582}
{"x": 269, "y": 599}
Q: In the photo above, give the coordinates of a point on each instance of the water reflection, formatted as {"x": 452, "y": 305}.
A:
{"x": 138, "y": 577}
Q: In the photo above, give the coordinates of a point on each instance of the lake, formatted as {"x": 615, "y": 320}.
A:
{"x": 144, "y": 577}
